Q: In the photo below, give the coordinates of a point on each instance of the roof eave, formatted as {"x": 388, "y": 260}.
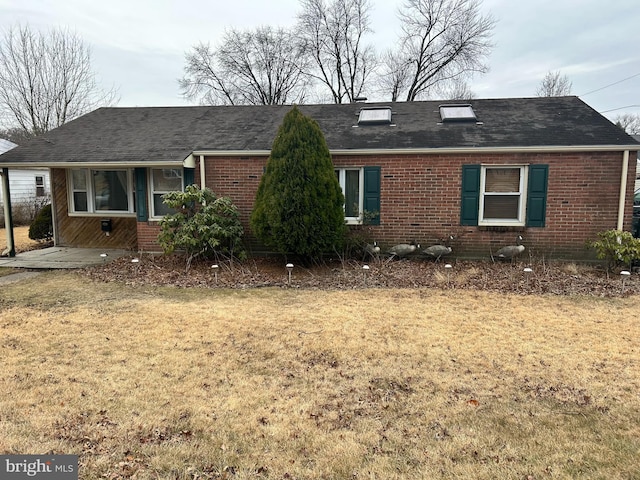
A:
{"x": 337, "y": 152}
{"x": 471, "y": 150}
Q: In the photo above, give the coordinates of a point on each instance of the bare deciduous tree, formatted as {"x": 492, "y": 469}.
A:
{"x": 554, "y": 84}
{"x": 46, "y": 79}
{"x": 457, "y": 89}
{"x": 629, "y": 122}
{"x": 441, "y": 41}
{"x": 334, "y": 35}
{"x": 15, "y": 135}
{"x": 260, "y": 67}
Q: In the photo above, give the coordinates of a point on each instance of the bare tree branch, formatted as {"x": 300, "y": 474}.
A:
{"x": 554, "y": 85}
{"x": 261, "y": 67}
{"x": 441, "y": 41}
{"x": 456, "y": 89}
{"x": 46, "y": 79}
{"x": 629, "y": 122}
{"x": 334, "y": 34}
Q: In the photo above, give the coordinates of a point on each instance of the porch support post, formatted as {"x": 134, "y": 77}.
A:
{"x": 10, "y": 251}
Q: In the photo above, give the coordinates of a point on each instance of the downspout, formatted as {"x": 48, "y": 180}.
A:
{"x": 54, "y": 215}
{"x": 10, "y": 251}
{"x": 623, "y": 189}
{"x": 202, "y": 177}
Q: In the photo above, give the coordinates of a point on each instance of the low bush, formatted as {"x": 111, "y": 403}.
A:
{"x": 42, "y": 226}
{"x": 616, "y": 248}
{"x": 203, "y": 225}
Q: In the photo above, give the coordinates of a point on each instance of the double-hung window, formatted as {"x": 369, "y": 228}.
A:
{"x": 40, "y": 189}
{"x": 162, "y": 181}
{"x": 101, "y": 191}
{"x": 502, "y": 195}
{"x": 352, "y": 183}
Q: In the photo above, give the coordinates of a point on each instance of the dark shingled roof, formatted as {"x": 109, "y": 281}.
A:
{"x": 169, "y": 134}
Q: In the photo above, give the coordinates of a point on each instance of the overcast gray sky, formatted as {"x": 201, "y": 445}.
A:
{"x": 139, "y": 45}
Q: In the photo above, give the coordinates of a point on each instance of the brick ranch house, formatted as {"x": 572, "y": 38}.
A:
{"x": 550, "y": 169}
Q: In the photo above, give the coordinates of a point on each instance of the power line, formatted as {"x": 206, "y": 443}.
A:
{"x": 619, "y": 108}
{"x": 610, "y": 85}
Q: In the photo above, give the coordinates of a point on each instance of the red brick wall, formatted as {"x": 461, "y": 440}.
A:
{"x": 148, "y": 236}
{"x": 420, "y": 198}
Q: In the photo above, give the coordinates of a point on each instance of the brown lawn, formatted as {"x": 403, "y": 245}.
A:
{"x": 156, "y": 382}
{"x": 20, "y": 238}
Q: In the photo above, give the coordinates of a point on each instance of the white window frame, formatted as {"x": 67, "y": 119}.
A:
{"x": 40, "y": 184}
{"x": 522, "y": 194}
{"x": 341, "y": 171}
{"x": 152, "y": 191}
{"x": 90, "y": 191}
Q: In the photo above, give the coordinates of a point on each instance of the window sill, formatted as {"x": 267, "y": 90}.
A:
{"x": 102, "y": 214}
{"x": 501, "y": 228}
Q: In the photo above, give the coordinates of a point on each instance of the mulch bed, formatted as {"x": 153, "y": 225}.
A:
{"x": 545, "y": 278}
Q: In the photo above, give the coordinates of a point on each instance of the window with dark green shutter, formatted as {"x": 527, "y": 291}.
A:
{"x": 161, "y": 182}
{"x": 189, "y": 176}
{"x": 470, "y": 194}
{"x": 504, "y": 195}
{"x": 537, "y": 195}
{"x": 141, "y": 194}
{"x": 372, "y": 195}
{"x": 361, "y": 189}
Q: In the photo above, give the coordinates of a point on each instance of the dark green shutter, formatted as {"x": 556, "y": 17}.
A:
{"x": 537, "y": 195}
{"x": 470, "y": 195}
{"x": 189, "y": 176}
{"x": 372, "y": 195}
{"x": 141, "y": 194}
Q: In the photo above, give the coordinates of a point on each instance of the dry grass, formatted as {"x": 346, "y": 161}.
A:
{"x": 275, "y": 383}
{"x": 20, "y": 238}
{"x": 22, "y": 244}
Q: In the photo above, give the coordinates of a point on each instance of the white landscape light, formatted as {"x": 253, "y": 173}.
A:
{"x": 136, "y": 262}
{"x": 365, "y": 271}
{"x": 215, "y": 272}
{"x": 624, "y": 274}
{"x": 448, "y": 268}
{"x": 527, "y": 273}
{"x": 104, "y": 257}
{"x": 289, "y": 270}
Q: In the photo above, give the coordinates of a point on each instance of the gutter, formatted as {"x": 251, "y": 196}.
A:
{"x": 418, "y": 151}
{"x": 623, "y": 189}
{"x": 94, "y": 165}
{"x": 336, "y": 152}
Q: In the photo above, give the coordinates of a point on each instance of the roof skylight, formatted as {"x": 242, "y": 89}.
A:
{"x": 457, "y": 113}
{"x": 375, "y": 116}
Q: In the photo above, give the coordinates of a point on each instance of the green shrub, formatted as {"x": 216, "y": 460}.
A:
{"x": 299, "y": 207}
{"x": 616, "y": 247}
{"x": 203, "y": 226}
{"x": 42, "y": 226}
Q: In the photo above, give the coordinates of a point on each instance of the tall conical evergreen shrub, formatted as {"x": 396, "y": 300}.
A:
{"x": 299, "y": 204}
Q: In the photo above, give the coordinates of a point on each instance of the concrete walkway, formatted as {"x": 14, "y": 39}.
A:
{"x": 61, "y": 257}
